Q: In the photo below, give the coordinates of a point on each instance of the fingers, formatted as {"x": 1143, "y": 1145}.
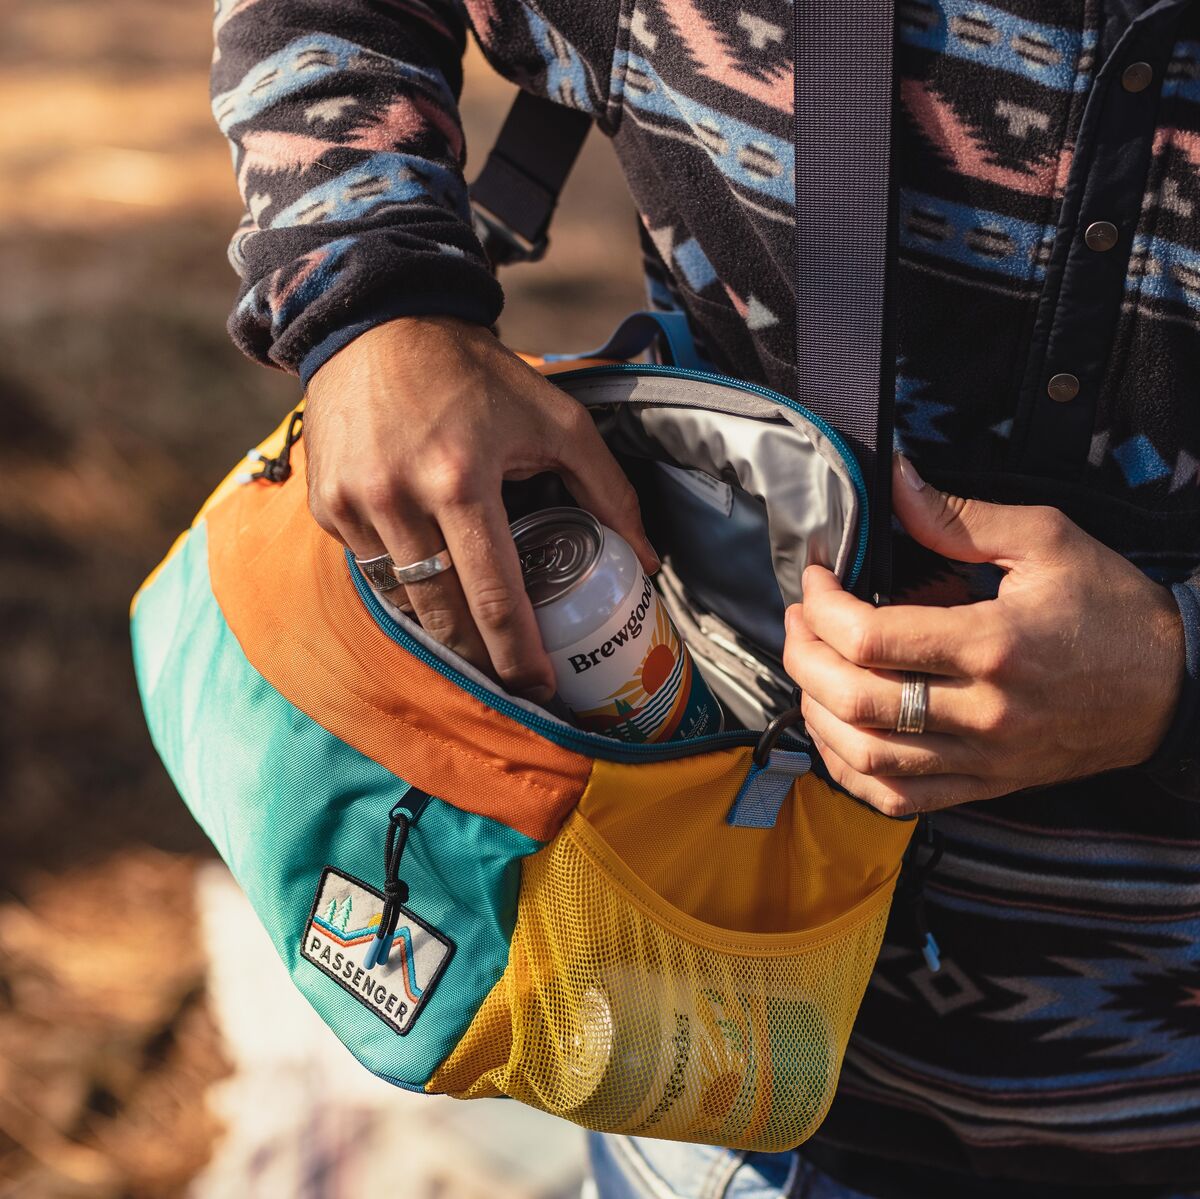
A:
{"x": 439, "y": 603}
{"x": 870, "y": 698}
{"x": 485, "y": 556}
{"x": 905, "y": 796}
{"x": 947, "y": 641}
{"x": 883, "y": 754}
{"x": 967, "y": 530}
{"x": 361, "y": 539}
{"x": 598, "y": 483}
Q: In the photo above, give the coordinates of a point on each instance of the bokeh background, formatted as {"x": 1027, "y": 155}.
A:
{"x": 122, "y": 402}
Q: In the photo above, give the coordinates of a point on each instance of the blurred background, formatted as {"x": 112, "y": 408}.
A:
{"x": 133, "y": 1061}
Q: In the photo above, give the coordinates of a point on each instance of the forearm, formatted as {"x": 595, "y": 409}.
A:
{"x": 348, "y": 149}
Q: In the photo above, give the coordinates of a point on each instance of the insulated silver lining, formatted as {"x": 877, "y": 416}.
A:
{"x": 773, "y": 452}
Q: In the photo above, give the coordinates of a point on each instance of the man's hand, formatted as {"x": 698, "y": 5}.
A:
{"x": 1075, "y": 667}
{"x": 409, "y": 432}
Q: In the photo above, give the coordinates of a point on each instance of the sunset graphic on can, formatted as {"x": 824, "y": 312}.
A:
{"x": 651, "y": 706}
{"x": 619, "y": 663}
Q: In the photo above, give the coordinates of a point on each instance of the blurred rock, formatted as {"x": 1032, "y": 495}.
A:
{"x": 304, "y": 1120}
{"x": 106, "y": 1050}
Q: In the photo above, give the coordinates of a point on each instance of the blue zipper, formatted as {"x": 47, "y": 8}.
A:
{"x": 592, "y": 744}
{"x": 839, "y": 444}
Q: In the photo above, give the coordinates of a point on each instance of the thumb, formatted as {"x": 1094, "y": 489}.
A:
{"x": 956, "y": 528}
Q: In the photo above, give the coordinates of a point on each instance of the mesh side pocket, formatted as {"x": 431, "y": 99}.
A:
{"x": 623, "y": 1014}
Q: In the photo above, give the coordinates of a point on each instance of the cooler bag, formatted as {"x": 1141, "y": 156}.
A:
{"x": 662, "y": 939}
{"x": 668, "y": 939}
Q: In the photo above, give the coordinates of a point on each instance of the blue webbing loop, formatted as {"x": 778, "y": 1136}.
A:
{"x": 766, "y": 787}
{"x": 637, "y": 332}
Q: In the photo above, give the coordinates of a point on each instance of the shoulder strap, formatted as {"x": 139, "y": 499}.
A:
{"x": 845, "y": 356}
{"x": 516, "y": 192}
{"x": 844, "y": 230}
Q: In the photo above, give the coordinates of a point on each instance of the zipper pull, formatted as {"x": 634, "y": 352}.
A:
{"x": 401, "y": 818}
{"x": 395, "y": 890}
{"x": 279, "y": 468}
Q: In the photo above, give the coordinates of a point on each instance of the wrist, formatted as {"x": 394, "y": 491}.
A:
{"x": 445, "y": 317}
{"x": 1164, "y": 664}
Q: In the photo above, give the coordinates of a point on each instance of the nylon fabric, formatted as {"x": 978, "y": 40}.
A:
{"x": 624, "y": 957}
{"x": 269, "y": 447}
{"x": 281, "y": 798}
{"x": 621, "y": 1013}
{"x": 324, "y": 653}
{"x": 843, "y": 127}
{"x": 774, "y": 452}
{"x": 823, "y": 856}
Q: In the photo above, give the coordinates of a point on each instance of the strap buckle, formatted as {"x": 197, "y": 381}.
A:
{"x": 502, "y": 244}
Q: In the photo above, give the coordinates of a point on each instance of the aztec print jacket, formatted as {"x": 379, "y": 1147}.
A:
{"x": 1049, "y": 159}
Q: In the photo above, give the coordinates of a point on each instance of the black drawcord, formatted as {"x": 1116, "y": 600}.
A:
{"x": 395, "y": 890}
{"x": 911, "y": 886}
{"x": 277, "y": 469}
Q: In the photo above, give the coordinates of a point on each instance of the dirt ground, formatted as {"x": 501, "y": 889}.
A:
{"x": 121, "y": 403}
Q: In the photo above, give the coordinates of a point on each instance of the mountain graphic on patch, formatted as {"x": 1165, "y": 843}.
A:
{"x": 344, "y": 920}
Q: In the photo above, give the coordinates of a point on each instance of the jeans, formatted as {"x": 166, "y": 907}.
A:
{"x": 638, "y": 1168}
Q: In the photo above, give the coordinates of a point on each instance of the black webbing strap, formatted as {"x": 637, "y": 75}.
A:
{"x": 845, "y": 357}
{"x": 516, "y": 192}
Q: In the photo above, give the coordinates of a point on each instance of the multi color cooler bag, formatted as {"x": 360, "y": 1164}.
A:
{"x": 666, "y": 939}
{"x": 670, "y": 940}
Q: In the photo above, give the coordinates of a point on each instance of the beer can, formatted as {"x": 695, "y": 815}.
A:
{"x": 592, "y": 1056}
{"x": 648, "y": 1053}
{"x": 619, "y": 663}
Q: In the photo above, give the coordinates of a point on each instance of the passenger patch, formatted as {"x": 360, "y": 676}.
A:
{"x": 341, "y": 927}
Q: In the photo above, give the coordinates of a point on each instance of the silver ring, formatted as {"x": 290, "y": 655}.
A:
{"x": 418, "y": 572}
{"x": 914, "y": 702}
{"x": 378, "y": 572}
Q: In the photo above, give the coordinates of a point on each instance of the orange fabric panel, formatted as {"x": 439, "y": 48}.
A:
{"x": 285, "y": 589}
{"x": 268, "y": 448}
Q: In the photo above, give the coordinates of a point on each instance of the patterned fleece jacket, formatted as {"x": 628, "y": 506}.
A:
{"x": 1049, "y": 165}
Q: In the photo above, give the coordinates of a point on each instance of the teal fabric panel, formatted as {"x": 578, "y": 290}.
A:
{"x": 281, "y": 798}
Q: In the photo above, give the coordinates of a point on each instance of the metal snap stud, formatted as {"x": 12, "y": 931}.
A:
{"x": 1062, "y": 388}
{"x": 1101, "y": 235}
{"x": 1137, "y": 76}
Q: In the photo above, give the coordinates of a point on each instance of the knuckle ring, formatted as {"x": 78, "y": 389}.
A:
{"x": 378, "y": 572}
{"x": 426, "y": 568}
{"x": 914, "y": 702}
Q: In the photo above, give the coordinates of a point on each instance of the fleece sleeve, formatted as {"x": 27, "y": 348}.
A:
{"x": 1176, "y": 764}
{"x": 342, "y": 117}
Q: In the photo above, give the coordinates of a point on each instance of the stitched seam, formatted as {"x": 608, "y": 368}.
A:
{"x": 639, "y": 1166}
{"x": 722, "y": 1173}
{"x": 795, "y": 944}
{"x": 456, "y": 749}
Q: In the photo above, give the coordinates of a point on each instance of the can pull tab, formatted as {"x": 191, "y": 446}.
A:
{"x": 395, "y": 890}
{"x": 540, "y": 558}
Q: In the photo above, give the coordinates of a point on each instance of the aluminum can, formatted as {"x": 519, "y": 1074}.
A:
{"x": 620, "y": 665}
{"x": 655, "y": 1055}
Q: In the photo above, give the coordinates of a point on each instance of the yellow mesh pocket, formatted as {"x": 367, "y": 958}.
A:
{"x": 624, "y": 1014}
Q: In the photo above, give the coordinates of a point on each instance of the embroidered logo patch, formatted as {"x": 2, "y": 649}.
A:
{"x": 341, "y": 927}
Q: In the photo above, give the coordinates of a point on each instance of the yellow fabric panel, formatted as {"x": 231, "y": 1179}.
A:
{"x": 269, "y": 447}
{"x": 823, "y": 855}
{"x": 624, "y": 1014}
